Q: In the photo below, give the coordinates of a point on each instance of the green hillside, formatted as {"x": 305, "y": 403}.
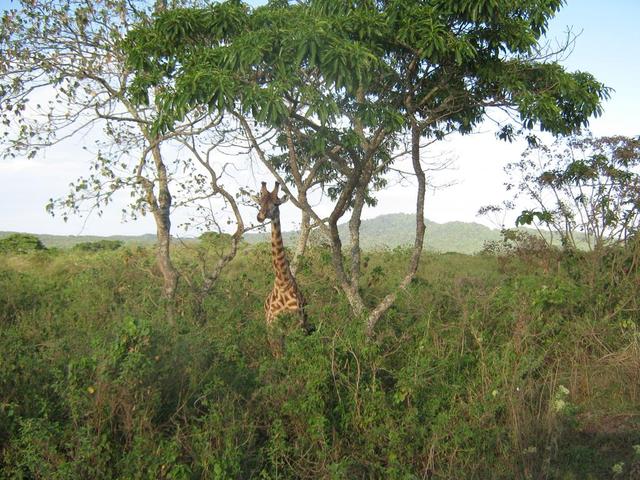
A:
{"x": 384, "y": 231}
{"x": 390, "y": 231}
{"x": 398, "y": 229}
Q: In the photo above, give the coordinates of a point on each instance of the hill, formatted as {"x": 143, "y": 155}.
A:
{"x": 390, "y": 231}
{"x": 398, "y": 229}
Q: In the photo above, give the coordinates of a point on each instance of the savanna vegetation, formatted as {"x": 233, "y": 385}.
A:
{"x": 122, "y": 361}
{"x": 515, "y": 363}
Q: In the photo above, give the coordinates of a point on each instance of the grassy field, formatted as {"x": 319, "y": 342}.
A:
{"x": 524, "y": 365}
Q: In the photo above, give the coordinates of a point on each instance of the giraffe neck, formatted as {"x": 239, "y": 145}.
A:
{"x": 280, "y": 263}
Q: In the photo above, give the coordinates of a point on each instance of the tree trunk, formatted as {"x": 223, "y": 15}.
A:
{"x": 354, "y": 233}
{"x": 169, "y": 272}
{"x": 214, "y": 274}
{"x": 160, "y": 206}
{"x": 353, "y": 295}
{"x": 414, "y": 262}
{"x": 305, "y": 229}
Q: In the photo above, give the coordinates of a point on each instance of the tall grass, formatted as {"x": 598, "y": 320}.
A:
{"x": 487, "y": 367}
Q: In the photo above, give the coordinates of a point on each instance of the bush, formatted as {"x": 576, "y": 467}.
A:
{"x": 20, "y": 243}
{"x": 516, "y": 242}
{"x": 475, "y": 373}
{"x": 98, "y": 246}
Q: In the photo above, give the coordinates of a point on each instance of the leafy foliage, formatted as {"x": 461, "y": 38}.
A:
{"x": 456, "y": 58}
{"x": 582, "y": 185}
{"x": 350, "y": 88}
{"x": 479, "y": 372}
{"x": 98, "y": 246}
{"x": 20, "y": 243}
{"x": 64, "y": 76}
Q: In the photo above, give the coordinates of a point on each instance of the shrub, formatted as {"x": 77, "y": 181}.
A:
{"x": 475, "y": 373}
{"x": 98, "y": 246}
{"x": 20, "y": 243}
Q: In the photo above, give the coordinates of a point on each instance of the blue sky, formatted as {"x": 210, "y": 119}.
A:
{"x": 608, "y": 47}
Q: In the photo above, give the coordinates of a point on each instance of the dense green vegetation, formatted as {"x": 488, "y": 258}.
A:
{"x": 518, "y": 364}
{"x": 20, "y": 243}
{"x": 98, "y": 245}
{"x": 68, "y": 241}
{"x": 522, "y": 362}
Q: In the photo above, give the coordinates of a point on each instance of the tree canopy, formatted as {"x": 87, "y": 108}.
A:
{"x": 354, "y": 86}
{"x": 456, "y": 58}
{"x": 63, "y": 76}
{"x": 582, "y": 187}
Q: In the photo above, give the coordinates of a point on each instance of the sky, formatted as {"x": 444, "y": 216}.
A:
{"x": 608, "y": 46}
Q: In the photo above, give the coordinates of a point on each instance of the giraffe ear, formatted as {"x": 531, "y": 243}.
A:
{"x": 283, "y": 199}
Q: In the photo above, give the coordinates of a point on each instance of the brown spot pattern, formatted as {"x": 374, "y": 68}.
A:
{"x": 285, "y": 295}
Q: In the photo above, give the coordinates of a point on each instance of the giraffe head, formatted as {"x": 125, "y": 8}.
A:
{"x": 269, "y": 202}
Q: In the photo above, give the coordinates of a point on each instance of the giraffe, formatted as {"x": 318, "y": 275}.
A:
{"x": 285, "y": 295}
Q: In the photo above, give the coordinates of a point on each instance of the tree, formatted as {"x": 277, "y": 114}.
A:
{"x": 350, "y": 83}
{"x": 99, "y": 246}
{"x": 586, "y": 190}
{"x": 20, "y": 243}
{"x": 69, "y": 53}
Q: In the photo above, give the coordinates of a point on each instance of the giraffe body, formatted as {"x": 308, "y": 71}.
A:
{"x": 285, "y": 295}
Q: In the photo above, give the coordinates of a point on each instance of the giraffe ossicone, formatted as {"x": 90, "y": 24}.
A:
{"x": 285, "y": 295}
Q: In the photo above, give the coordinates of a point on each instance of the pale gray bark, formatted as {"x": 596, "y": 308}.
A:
{"x": 412, "y": 268}
{"x": 213, "y": 275}
{"x": 160, "y": 207}
{"x": 303, "y": 240}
